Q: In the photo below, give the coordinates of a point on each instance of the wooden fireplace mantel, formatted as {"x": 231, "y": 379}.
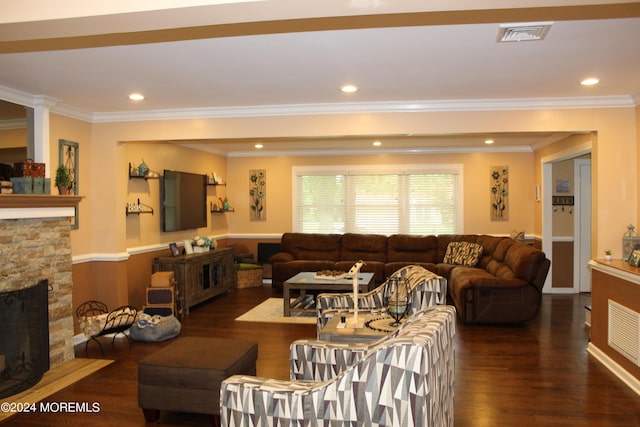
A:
{"x": 12, "y": 201}
{"x": 24, "y": 206}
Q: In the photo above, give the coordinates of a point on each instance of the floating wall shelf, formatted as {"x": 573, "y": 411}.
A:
{"x": 149, "y": 175}
{"x": 138, "y": 208}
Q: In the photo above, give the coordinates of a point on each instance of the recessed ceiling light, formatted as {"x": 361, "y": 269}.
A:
{"x": 377, "y": 143}
{"x": 590, "y": 81}
{"x": 489, "y": 141}
{"x": 136, "y": 97}
{"x": 349, "y": 89}
{"x": 258, "y": 146}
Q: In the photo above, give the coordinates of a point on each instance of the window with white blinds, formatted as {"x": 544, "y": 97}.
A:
{"x": 417, "y": 199}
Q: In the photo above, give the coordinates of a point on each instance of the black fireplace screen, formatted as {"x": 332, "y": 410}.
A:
{"x": 24, "y": 337}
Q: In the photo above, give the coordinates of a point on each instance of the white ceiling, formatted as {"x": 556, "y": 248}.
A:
{"x": 299, "y": 64}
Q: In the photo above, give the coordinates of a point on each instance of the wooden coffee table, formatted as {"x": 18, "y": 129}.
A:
{"x": 307, "y": 282}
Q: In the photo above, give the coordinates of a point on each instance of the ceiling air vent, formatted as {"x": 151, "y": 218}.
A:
{"x": 523, "y": 31}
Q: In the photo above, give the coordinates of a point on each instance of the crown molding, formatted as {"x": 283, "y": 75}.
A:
{"x": 42, "y": 101}
{"x": 361, "y": 151}
{"x": 29, "y": 100}
{"x": 16, "y": 96}
{"x": 73, "y": 113}
{"x": 208, "y": 149}
{"x": 377, "y": 151}
{"x": 552, "y": 139}
{"x": 624, "y": 101}
{"x": 13, "y": 124}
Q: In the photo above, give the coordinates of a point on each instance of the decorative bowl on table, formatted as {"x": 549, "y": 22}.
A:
{"x": 329, "y": 275}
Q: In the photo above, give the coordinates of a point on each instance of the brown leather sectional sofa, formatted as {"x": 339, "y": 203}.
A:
{"x": 504, "y": 286}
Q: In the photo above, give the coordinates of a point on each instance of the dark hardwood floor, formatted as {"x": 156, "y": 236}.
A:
{"x": 537, "y": 374}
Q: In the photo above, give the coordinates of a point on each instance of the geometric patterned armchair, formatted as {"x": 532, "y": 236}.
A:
{"x": 404, "y": 379}
{"x": 427, "y": 288}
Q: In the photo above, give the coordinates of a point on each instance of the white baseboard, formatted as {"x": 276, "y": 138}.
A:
{"x": 615, "y": 368}
{"x": 565, "y": 291}
{"x": 79, "y": 339}
{"x": 82, "y": 338}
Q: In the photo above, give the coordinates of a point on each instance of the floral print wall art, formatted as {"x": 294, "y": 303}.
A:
{"x": 499, "y": 193}
{"x": 257, "y": 195}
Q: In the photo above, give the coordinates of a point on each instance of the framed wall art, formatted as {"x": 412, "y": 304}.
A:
{"x": 499, "y": 176}
{"x": 175, "y": 251}
{"x": 563, "y": 186}
{"x": 257, "y": 195}
{"x": 634, "y": 258}
{"x": 68, "y": 156}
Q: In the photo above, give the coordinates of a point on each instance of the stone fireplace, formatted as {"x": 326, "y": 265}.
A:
{"x": 24, "y": 337}
{"x": 35, "y": 245}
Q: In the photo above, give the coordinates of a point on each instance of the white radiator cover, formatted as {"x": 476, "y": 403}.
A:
{"x": 624, "y": 331}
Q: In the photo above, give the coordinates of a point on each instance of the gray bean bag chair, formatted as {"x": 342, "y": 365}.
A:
{"x": 156, "y": 328}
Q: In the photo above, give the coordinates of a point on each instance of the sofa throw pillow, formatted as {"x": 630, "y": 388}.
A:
{"x": 463, "y": 253}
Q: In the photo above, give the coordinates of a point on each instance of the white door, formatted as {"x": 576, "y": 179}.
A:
{"x": 582, "y": 224}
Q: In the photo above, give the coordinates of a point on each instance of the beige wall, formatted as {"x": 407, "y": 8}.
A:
{"x": 614, "y": 178}
{"x": 106, "y": 235}
{"x": 615, "y": 195}
{"x": 62, "y": 127}
{"x": 476, "y": 188}
{"x": 12, "y": 138}
{"x": 638, "y": 153}
{"x": 145, "y": 229}
{"x": 614, "y": 169}
{"x": 13, "y": 145}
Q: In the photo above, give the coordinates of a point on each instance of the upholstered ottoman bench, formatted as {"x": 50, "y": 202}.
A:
{"x": 186, "y": 375}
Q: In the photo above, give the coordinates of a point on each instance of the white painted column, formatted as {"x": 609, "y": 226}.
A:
{"x": 41, "y": 143}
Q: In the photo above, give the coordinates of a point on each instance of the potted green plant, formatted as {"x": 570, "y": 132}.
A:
{"x": 63, "y": 180}
{"x": 607, "y": 254}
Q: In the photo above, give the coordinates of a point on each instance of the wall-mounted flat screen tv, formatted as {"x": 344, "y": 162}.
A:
{"x": 183, "y": 201}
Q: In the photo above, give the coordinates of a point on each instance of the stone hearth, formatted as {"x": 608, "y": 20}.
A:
{"x": 35, "y": 244}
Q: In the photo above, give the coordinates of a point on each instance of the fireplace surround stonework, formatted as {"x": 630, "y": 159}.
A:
{"x": 33, "y": 247}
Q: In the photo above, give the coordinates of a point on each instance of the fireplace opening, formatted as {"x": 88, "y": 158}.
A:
{"x": 24, "y": 337}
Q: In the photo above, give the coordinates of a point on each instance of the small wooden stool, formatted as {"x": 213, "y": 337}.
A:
{"x": 186, "y": 375}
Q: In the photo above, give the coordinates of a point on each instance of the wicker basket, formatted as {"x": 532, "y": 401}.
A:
{"x": 249, "y": 278}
